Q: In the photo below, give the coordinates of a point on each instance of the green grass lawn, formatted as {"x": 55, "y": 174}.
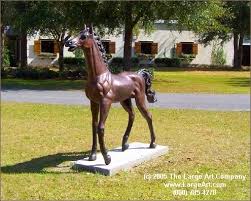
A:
{"x": 39, "y": 141}
{"x": 202, "y": 81}
{"x": 172, "y": 81}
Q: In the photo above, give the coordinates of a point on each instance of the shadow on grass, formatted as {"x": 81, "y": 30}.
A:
{"x": 239, "y": 82}
{"x": 38, "y": 165}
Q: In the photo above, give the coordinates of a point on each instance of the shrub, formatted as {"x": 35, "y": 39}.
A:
{"x": 74, "y": 68}
{"x": 43, "y": 73}
{"x": 116, "y": 65}
{"x": 3, "y": 72}
{"x": 186, "y": 58}
{"x": 78, "y": 53}
{"x": 142, "y": 56}
{"x": 30, "y": 73}
{"x": 73, "y": 73}
{"x": 76, "y": 61}
{"x": 46, "y": 73}
{"x": 134, "y": 60}
{"x": 167, "y": 62}
{"x": 6, "y": 56}
{"x": 218, "y": 56}
{"x": 117, "y": 60}
{"x": 115, "y": 69}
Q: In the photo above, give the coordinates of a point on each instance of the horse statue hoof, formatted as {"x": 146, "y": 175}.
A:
{"x": 92, "y": 157}
{"x": 152, "y": 145}
{"x": 125, "y": 147}
{"x": 107, "y": 160}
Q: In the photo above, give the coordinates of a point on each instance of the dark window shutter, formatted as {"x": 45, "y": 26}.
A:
{"x": 137, "y": 47}
{"x": 56, "y": 48}
{"x": 178, "y": 49}
{"x": 154, "y": 48}
{"x": 195, "y": 48}
{"x": 37, "y": 46}
{"x": 111, "y": 47}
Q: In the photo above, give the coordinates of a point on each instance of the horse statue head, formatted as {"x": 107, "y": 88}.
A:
{"x": 83, "y": 39}
{"x": 87, "y": 39}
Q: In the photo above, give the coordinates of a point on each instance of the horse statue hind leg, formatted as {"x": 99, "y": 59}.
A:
{"x": 140, "y": 102}
{"x": 127, "y": 105}
{"x": 151, "y": 98}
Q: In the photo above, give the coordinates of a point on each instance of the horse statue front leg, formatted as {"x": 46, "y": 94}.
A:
{"x": 104, "y": 108}
{"x": 95, "y": 111}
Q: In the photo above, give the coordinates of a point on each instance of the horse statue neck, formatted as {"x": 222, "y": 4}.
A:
{"x": 94, "y": 60}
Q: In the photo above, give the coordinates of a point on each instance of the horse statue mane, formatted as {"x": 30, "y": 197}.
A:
{"x": 101, "y": 48}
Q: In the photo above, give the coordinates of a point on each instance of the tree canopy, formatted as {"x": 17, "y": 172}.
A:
{"x": 212, "y": 19}
{"x": 233, "y": 23}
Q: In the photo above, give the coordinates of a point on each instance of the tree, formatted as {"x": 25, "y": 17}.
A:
{"x": 125, "y": 15}
{"x": 233, "y": 22}
{"x": 13, "y": 14}
{"x": 239, "y": 25}
{"x": 51, "y": 18}
{"x": 129, "y": 14}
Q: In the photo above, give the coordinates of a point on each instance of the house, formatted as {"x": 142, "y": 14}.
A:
{"x": 164, "y": 41}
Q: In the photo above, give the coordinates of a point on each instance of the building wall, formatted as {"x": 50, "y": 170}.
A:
{"x": 166, "y": 39}
{"x": 42, "y": 60}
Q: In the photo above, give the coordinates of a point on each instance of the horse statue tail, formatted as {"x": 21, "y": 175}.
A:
{"x": 150, "y": 94}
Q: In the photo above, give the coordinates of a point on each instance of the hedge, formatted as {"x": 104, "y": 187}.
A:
{"x": 35, "y": 73}
{"x": 29, "y": 73}
{"x": 120, "y": 61}
{"x": 167, "y": 62}
{"x": 74, "y": 61}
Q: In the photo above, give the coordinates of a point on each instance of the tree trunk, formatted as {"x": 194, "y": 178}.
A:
{"x": 23, "y": 59}
{"x": 236, "y": 39}
{"x": 128, "y": 36}
{"x": 238, "y": 50}
{"x": 61, "y": 52}
{"x": 61, "y": 57}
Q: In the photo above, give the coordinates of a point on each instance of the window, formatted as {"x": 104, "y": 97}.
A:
{"x": 186, "y": 48}
{"x": 106, "y": 46}
{"x": 47, "y": 46}
{"x": 109, "y": 46}
{"x": 146, "y": 47}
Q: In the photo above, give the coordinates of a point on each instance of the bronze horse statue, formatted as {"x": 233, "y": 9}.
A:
{"x": 104, "y": 88}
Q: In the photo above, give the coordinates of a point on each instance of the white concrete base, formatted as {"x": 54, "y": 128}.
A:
{"x": 135, "y": 155}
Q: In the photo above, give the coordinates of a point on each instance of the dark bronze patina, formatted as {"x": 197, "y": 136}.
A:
{"x": 104, "y": 88}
